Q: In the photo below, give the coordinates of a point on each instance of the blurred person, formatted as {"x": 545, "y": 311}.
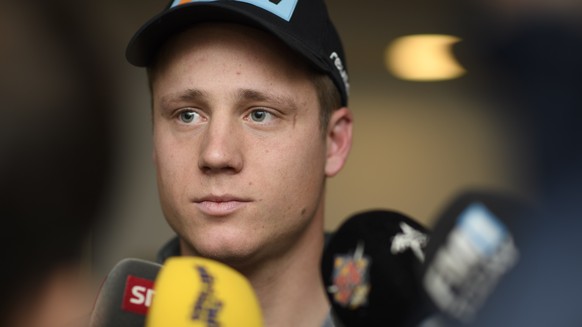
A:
{"x": 55, "y": 161}
{"x": 250, "y": 117}
{"x": 529, "y": 55}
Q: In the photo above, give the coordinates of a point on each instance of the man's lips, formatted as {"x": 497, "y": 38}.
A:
{"x": 220, "y": 205}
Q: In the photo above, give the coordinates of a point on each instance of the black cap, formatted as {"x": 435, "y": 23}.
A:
{"x": 303, "y": 25}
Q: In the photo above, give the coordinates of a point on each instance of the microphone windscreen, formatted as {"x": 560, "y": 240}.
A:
{"x": 126, "y": 294}
{"x": 370, "y": 269}
{"x": 193, "y": 291}
{"x": 473, "y": 245}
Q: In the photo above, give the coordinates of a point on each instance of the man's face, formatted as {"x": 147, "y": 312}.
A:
{"x": 237, "y": 143}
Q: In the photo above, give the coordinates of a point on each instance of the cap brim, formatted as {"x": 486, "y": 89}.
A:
{"x": 145, "y": 44}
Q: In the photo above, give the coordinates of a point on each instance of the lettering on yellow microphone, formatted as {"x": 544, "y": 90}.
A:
{"x": 207, "y": 306}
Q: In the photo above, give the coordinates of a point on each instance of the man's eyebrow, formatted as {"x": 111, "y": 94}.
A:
{"x": 188, "y": 95}
{"x": 248, "y": 95}
{"x": 258, "y": 96}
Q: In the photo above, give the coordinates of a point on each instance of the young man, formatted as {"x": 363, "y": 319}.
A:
{"x": 249, "y": 119}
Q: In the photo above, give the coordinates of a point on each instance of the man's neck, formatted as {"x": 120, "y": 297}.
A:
{"x": 289, "y": 287}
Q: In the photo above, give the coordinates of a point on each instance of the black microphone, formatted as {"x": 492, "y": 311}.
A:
{"x": 370, "y": 270}
{"x": 126, "y": 294}
{"x": 474, "y": 245}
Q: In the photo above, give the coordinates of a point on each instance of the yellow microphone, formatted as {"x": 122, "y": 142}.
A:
{"x": 197, "y": 292}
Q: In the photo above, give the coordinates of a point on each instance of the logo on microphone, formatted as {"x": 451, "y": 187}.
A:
{"x": 478, "y": 248}
{"x": 207, "y": 306}
{"x": 138, "y": 295}
{"x": 350, "y": 279}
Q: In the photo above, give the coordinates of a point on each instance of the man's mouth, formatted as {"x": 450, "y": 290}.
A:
{"x": 220, "y": 205}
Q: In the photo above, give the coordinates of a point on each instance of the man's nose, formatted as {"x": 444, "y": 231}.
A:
{"x": 221, "y": 149}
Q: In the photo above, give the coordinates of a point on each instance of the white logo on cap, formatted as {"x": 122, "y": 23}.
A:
{"x": 281, "y": 8}
{"x": 340, "y": 67}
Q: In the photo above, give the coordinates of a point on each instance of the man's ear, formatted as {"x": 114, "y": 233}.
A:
{"x": 339, "y": 140}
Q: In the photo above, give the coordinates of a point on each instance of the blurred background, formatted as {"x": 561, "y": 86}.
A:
{"x": 447, "y": 95}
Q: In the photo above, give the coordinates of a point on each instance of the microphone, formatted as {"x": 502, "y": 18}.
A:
{"x": 473, "y": 247}
{"x": 370, "y": 270}
{"x": 194, "y": 291}
{"x": 126, "y": 294}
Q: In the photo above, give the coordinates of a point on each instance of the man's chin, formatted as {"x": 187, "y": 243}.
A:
{"x": 236, "y": 256}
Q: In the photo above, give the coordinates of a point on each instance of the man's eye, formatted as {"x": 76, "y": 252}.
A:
{"x": 259, "y": 116}
{"x": 188, "y": 116}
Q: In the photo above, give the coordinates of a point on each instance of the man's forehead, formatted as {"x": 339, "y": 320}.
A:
{"x": 223, "y": 33}
{"x": 227, "y": 36}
